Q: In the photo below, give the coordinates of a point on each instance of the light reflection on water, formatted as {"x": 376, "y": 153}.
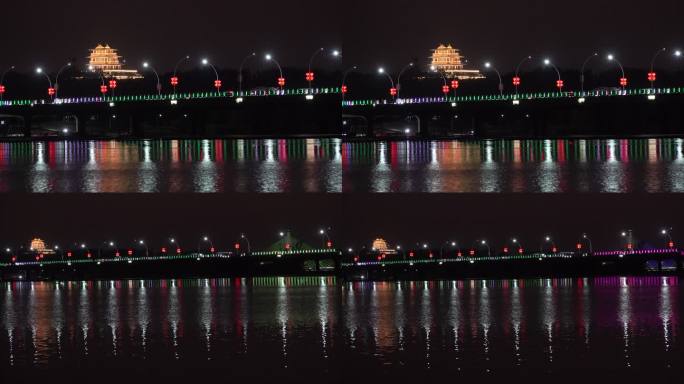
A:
{"x": 547, "y": 166}
{"x": 293, "y": 165}
{"x": 281, "y": 324}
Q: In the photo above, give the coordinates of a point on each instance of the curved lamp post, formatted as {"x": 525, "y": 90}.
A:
{"x": 629, "y": 238}
{"x": 147, "y": 65}
{"x": 548, "y": 240}
{"x": 668, "y": 233}
{"x": 344, "y": 80}
{"x": 326, "y": 235}
{"x": 559, "y": 82}
{"x": 445, "y": 86}
{"x": 2, "y": 81}
{"x": 174, "y": 78}
{"x": 205, "y": 239}
{"x": 584, "y": 238}
{"x": 623, "y": 79}
{"x": 51, "y": 89}
{"x": 175, "y": 244}
{"x": 516, "y": 78}
{"x": 393, "y": 89}
{"x": 242, "y": 65}
{"x": 64, "y": 67}
{"x": 244, "y": 238}
{"x": 489, "y": 65}
{"x": 217, "y": 82}
{"x": 406, "y": 68}
{"x": 281, "y": 79}
{"x": 651, "y": 72}
{"x": 584, "y": 65}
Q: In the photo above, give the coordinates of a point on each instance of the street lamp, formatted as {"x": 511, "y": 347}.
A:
{"x": 445, "y": 87}
{"x": 205, "y": 239}
{"x": 51, "y": 89}
{"x": 344, "y": 80}
{"x": 559, "y": 82}
{"x": 217, "y": 82}
{"x": 244, "y": 238}
{"x": 668, "y": 233}
{"x": 174, "y": 78}
{"x": 489, "y": 65}
{"x": 176, "y": 245}
{"x": 142, "y": 243}
{"x": 651, "y": 72}
{"x": 67, "y": 65}
{"x": 406, "y": 68}
{"x": 629, "y": 238}
{"x": 516, "y": 78}
{"x": 623, "y": 79}
{"x": 393, "y": 89}
{"x": 326, "y": 235}
{"x": 2, "y": 81}
{"x": 147, "y": 65}
{"x": 281, "y": 79}
{"x": 585, "y": 238}
{"x": 242, "y": 64}
{"x": 548, "y": 240}
{"x": 584, "y": 65}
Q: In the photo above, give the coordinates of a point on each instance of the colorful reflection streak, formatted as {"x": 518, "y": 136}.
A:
{"x": 547, "y": 166}
{"x": 285, "y": 324}
{"x": 293, "y": 165}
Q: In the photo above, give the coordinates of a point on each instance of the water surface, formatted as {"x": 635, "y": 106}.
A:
{"x": 292, "y": 165}
{"x": 282, "y": 327}
{"x": 547, "y": 166}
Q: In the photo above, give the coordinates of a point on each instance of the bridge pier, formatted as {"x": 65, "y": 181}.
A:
{"x": 28, "y": 120}
{"x": 81, "y": 125}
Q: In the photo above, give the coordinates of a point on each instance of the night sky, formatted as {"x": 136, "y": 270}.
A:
{"x": 393, "y": 33}
{"x": 49, "y": 33}
{"x": 355, "y": 219}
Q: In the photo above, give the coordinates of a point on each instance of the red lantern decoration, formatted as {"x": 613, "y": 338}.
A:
{"x": 454, "y": 84}
{"x": 217, "y": 84}
{"x": 178, "y": 251}
{"x": 472, "y": 252}
{"x": 112, "y": 84}
{"x": 559, "y": 84}
{"x": 520, "y": 251}
{"x": 174, "y": 81}
{"x": 69, "y": 254}
{"x": 344, "y": 89}
{"x": 379, "y": 258}
{"x": 356, "y": 259}
{"x": 2, "y": 89}
{"x": 579, "y": 246}
{"x": 554, "y": 249}
{"x": 89, "y": 255}
{"x": 130, "y": 252}
{"x": 393, "y": 91}
{"x": 516, "y": 81}
{"x": 163, "y": 250}
{"x": 51, "y": 91}
{"x": 445, "y": 89}
{"x": 212, "y": 250}
{"x": 629, "y": 246}
{"x": 14, "y": 259}
{"x": 237, "y": 246}
{"x": 459, "y": 254}
{"x": 309, "y": 76}
{"x": 281, "y": 82}
{"x": 411, "y": 254}
{"x": 117, "y": 254}
{"x": 651, "y": 76}
{"x": 505, "y": 249}
{"x": 329, "y": 244}
{"x": 670, "y": 244}
{"x": 623, "y": 82}
{"x": 103, "y": 89}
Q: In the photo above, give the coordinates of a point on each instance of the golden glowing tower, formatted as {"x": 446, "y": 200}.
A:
{"x": 37, "y": 245}
{"x": 107, "y": 60}
{"x": 449, "y": 61}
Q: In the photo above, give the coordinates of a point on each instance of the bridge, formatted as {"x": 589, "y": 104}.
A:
{"x": 96, "y": 264}
{"x": 606, "y": 111}
{"x": 264, "y": 111}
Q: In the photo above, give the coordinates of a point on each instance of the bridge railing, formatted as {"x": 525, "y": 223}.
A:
{"x": 512, "y": 97}
{"x": 175, "y": 96}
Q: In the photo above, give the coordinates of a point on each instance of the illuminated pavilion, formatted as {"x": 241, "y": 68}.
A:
{"x": 106, "y": 60}
{"x": 449, "y": 61}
